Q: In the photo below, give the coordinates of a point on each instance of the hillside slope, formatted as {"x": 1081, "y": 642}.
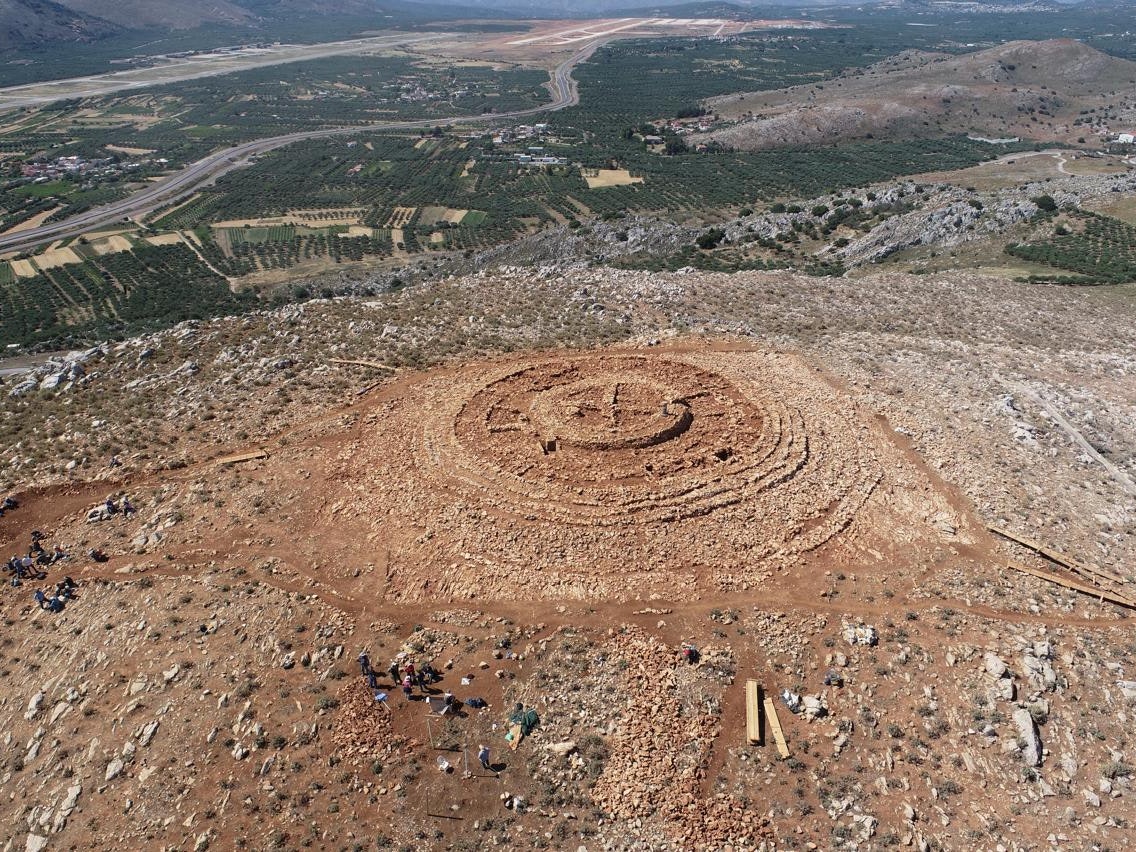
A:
{"x": 30, "y": 22}
{"x": 201, "y": 690}
{"x": 161, "y": 14}
{"x": 1035, "y": 90}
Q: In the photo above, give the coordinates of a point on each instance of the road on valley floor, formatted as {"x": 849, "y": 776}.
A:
{"x": 206, "y": 170}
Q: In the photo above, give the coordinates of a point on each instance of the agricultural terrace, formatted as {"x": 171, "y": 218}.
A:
{"x": 396, "y": 177}
{"x": 1098, "y": 249}
{"x": 388, "y": 196}
{"x": 392, "y": 182}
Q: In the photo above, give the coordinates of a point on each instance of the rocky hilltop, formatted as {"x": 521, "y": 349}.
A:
{"x": 612, "y": 497}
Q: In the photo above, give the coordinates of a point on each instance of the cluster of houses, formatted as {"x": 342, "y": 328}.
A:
{"x": 42, "y": 171}
{"x": 519, "y": 133}
{"x": 678, "y": 127}
{"x": 683, "y": 126}
{"x": 533, "y": 155}
{"x": 413, "y": 91}
{"x": 536, "y": 156}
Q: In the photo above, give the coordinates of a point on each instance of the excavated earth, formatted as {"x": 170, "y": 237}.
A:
{"x": 549, "y": 526}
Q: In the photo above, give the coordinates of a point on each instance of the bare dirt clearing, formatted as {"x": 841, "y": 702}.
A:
{"x": 599, "y": 178}
{"x": 53, "y": 258}
{"x": 33, "y": 221}
{"x": 117, "y": 243}
{"x": 165, "y": 239}
{"x": 134, "y": 152}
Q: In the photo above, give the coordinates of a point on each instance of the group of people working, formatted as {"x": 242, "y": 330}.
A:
{"x": 113, "y": 507}
{"x": 64, "y": 591}
{"x": 32, "y": 566}
{"x": 402, "y": 674}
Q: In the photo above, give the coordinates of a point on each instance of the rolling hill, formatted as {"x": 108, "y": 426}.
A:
{"x": 32, "y": 22}
{"x": 1057, "y": 90}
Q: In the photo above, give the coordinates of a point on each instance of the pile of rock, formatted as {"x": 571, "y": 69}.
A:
{"x": 362, "y": 730}
{"x": 659, "y": 754}
{"x": 57, "y": 373}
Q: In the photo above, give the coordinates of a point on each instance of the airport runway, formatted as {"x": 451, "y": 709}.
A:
{"x": 196, "y": 67}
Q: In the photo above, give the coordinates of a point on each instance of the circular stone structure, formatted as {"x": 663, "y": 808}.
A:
{"x": 614, "y": 472}
{"x": 618, "y": 439}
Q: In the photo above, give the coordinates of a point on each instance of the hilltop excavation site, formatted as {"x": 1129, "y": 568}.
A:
{"x": 704, "y": 561}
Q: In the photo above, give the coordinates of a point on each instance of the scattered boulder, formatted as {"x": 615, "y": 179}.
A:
{"x": 114, "y": 769}
{"x": 995, "y": 666}
{"x": 861, "y": 634}
{"x": 35, "y": 706}
{"x": 1027, "y": 732}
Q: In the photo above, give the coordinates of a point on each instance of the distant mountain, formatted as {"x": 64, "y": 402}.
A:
{"x": 616, "y": 8}
{"x": 26, "y": 23}
{"x": 687, "y": 9}
{"x": 161, "y": 14}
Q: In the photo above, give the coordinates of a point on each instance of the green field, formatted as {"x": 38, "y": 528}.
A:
{"x": 111, "y": 296}
{"x": 44, "y": 190}
{"x": 274, "y": 234}
{"x": 1098, "y": 249}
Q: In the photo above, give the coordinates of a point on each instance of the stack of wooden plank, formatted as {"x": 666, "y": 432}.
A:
{"x": 1106, "y": 585}
{"x": 760, "y": 713}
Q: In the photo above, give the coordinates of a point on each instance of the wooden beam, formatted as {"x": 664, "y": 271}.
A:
{"x": 374, "y": 365}
{"x": 775, "y": 726}
{"x": 1082, "y": 568}
{"x": 242, "y": 457}
{"x": 367, "y": 388}
{"x": 753, "y": 712}
{"x": 1092, "y": 591}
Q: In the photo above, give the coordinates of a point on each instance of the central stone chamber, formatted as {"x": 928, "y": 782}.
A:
{"x": 609, "y": 413}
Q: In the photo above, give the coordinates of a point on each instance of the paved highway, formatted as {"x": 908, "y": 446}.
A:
{"x": 208, "y": 169}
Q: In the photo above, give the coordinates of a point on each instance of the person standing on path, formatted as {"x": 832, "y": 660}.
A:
{"x": 483, "y": 758}
{"x": 364, "y": 664}
{"x": 393, "y": 672}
